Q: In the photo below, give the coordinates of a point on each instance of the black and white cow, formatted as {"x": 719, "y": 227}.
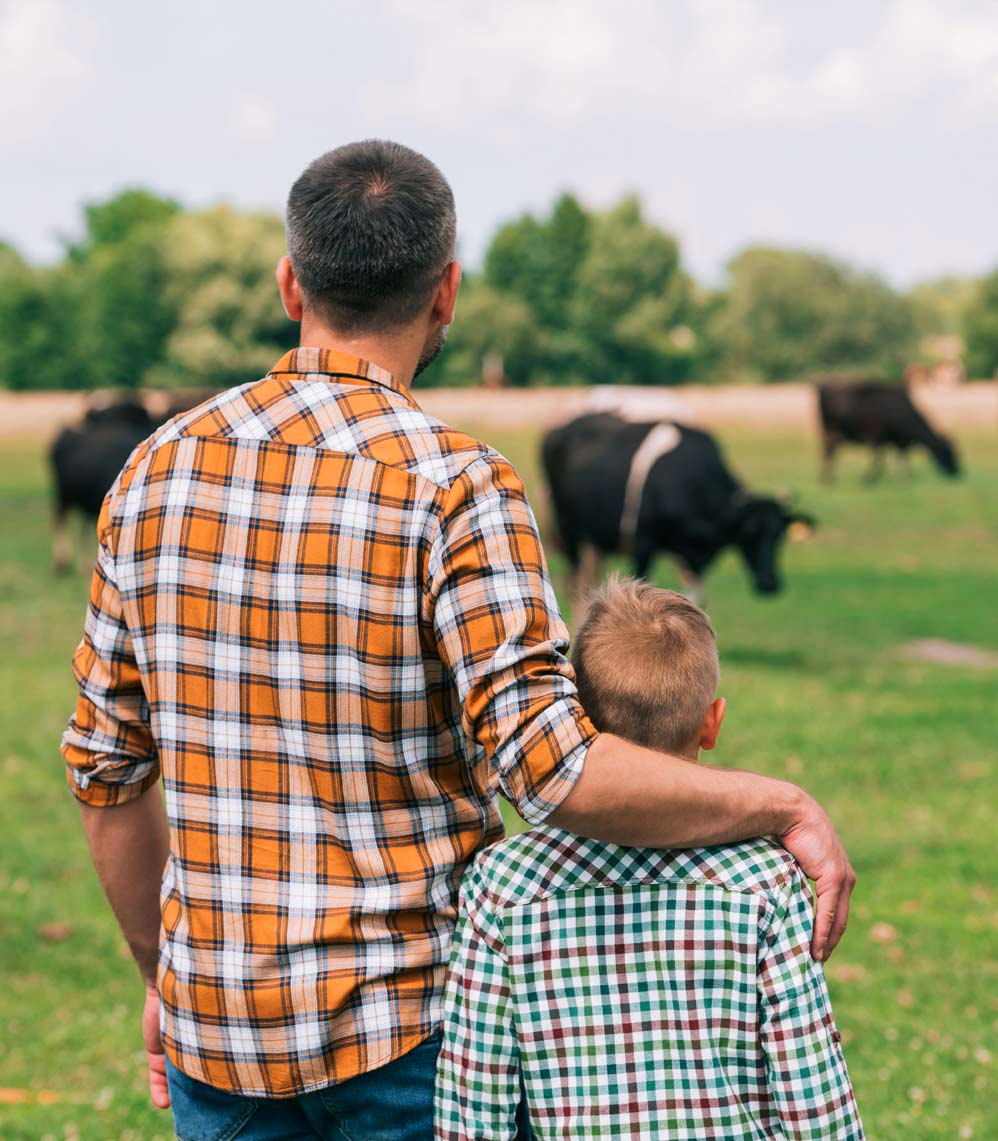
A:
{"x": 645, "y": 488}
{"x": 879, "y": 415}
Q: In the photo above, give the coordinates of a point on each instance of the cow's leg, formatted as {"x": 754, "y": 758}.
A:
{"x": 876, "y": 469}
{"x": 60, "y": 539}
{"x": 829, "y": 446}
{"x": 585, "y": 579}
{"x": 643, "y": 556}
{"x": 692, "y": 584}
{"x": 904, "y": 463}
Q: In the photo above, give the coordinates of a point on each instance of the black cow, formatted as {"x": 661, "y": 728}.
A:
{"x": 879, "y": 415}
{"x": 644, "y": 488}
{"x": 86, "y": 459}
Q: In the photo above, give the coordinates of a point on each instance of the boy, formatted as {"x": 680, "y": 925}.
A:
{"x": 633, "y": 992}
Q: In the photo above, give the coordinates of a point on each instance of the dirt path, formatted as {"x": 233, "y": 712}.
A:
{"x": 772, "y": 407}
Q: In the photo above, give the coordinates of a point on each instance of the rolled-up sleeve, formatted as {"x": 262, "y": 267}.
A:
{"x": 499, "y": 632}
{"x": 108, "y": 748}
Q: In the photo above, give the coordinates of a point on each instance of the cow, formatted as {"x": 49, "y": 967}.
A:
{"x": 880, "y": 415}
{"x": 86, "y": 459}
{"x": 643, "y": 488}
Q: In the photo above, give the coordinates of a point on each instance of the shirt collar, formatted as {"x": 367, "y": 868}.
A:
{"x": 332, "y": 362}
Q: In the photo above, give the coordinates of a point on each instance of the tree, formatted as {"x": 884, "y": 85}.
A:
{"x": 121, "y": 218}
{"x": 791, "y": 313}
{"x": 38, "y": 345}
{"x": 938, "y": 306}
{"x": 633, "y": 300}
{"x": 980, "y": 328}
{"x": 539, "y": 260}
{"x": 489, "y": 322}
{"x": 230, "y": 326}
{"x": 123, "y": 311}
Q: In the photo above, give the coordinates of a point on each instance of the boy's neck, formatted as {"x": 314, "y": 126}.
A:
{"x": 689, "y": 753}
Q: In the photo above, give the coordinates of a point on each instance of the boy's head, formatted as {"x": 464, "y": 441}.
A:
{"x": 647, "y": 669}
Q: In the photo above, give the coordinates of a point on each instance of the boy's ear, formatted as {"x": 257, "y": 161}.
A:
{"x": 712, "y": 723}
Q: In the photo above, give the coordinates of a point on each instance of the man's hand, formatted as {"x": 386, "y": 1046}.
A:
{"x": 815, "y": 845}
{"x": 158, "y": 1089}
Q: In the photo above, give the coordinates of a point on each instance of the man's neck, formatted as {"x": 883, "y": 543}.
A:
{"x": 398, "y": 352}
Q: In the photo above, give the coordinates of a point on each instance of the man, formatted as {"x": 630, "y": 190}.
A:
{"x": 324, "y": 618}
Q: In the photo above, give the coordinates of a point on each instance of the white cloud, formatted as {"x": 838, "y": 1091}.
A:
{"x": 46, "y": 60}
{"x": 713, "y": 64}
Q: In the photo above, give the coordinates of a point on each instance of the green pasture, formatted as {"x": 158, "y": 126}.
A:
{"x": 902, "y": 753}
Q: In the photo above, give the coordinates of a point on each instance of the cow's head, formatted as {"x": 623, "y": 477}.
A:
{"x": 759, "y": 525}
{"x": 945, "y": 455}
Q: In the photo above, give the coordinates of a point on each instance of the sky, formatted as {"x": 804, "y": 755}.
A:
{"x": 866, "y": 128}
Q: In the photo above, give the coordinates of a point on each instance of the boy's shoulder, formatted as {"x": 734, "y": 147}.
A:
{"x": 549, "y": 861}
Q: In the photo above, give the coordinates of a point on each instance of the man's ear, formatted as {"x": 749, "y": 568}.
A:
{"x": 712, "y": 723}
{"x": 446, "y": 299}
{"x": 287, "y": 283}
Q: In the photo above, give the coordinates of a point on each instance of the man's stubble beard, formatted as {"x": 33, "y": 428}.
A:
{"x": 432, "y": 349}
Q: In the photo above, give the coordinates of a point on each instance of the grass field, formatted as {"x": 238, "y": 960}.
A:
{"x": 901, "y": 752}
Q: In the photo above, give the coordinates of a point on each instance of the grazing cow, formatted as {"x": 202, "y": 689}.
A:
{"x": 86, "y": 459}
{"x": 879, "y": 415}
{"x": 644, "y": 488}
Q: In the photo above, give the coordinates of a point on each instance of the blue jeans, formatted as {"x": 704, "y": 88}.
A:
{"x": 392, "y": 1103}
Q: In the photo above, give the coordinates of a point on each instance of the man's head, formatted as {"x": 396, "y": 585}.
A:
{"x": 371, "y": 232}
{"x": 647, "y": 669}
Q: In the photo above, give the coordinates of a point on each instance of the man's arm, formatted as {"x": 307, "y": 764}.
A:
{"x": 809, "y": 1085}
{"x": 111, "y": 766}
{"x": 478, "y": 1075}
{"x": 129, "y": 844}
{"x": 500, "y": 633}
{"x": 631, "y": 795}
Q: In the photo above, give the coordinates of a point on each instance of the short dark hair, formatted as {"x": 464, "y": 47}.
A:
{"x": 646, "y": 664}
{"x": 371, "y": 227}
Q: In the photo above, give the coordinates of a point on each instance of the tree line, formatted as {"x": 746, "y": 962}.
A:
{"x": 155, "y": 295}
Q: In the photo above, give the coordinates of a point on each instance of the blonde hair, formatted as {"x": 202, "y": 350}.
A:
{"x": 646, "y": 664}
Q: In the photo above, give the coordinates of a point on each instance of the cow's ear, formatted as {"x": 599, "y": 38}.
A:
{"x": 800, "y": 526}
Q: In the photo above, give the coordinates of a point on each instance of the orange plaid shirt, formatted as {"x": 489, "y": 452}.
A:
{"x": 325, "y": 619}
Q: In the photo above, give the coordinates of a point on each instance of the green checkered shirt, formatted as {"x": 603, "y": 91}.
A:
{"x": 637, "y": 993}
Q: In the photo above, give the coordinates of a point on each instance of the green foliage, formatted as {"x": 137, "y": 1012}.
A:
{"x": 539, "y": 260}
{"x": 149, "y": 294}
{"x": 152, "y": 295}
{"x": 633, "y": 299}
{"x": 938, "y": 306}
{"x": 790, "y": 314}
{"x": 980, "y": 328}
{"x": 120, "y": 219}
{"x": 229, "y": 324}
{"x": 101, "y": 317}
{"x": 489, "y": 321}
{"x": 39, "y": 326}
{"x": 606, "y": 291}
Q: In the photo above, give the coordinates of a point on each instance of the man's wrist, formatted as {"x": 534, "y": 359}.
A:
{"x": 790, "y": 807}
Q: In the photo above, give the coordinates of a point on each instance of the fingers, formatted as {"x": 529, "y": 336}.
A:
{"x": 824, "y": 916}
{"x": 159, "y": 1091}
{"x": 841, "y": 914}
{"x": 831, "y": 912}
